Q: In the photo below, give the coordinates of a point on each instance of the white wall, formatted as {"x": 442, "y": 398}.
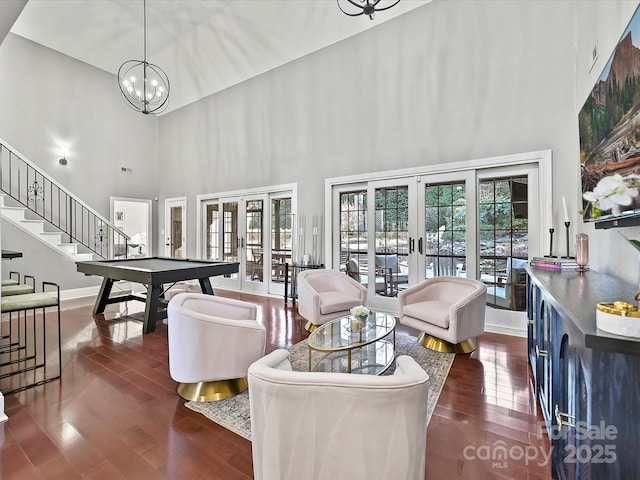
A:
{"x": 48, "y": 99}
{"x": 450, "y": 81}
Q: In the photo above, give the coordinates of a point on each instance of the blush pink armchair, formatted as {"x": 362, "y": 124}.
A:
{"x": 324, "y": 295}
{"x": 448, "y": 310}
{"x": 318, "y": 425}
{"x": 212, "y": 342}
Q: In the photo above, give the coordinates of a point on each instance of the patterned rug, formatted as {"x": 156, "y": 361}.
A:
{"x": 233, "y": 413}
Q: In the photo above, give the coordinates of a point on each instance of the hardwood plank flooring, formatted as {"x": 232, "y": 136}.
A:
{"x": 115, "y": 413}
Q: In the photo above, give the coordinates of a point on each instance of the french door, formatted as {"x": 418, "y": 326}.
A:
{"x": 473, "y": 223}
{"x": 234, "y": 232}
{"x": 253, "y": 230}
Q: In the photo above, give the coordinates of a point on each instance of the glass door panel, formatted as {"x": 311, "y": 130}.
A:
{"x": 445, "y": 229}
{"x": 175, "y": 227}
{"x": 353, "y": 234}
{"x": 212, "y": 231}
{"x": 504, "y": 240}
{"x": 254, "y": 253}
{"x": 391, "y": 259}
{"x": 230, "y": 236}
{"x": 282, "y": 222}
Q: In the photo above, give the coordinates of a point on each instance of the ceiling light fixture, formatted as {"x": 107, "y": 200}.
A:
{"x": 63, "y": 156}
{"x": 366, "y": 7}
{"x": 144, "y": 85}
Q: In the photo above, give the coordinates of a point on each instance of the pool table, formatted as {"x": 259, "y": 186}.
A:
{"x": 153, "y": 272}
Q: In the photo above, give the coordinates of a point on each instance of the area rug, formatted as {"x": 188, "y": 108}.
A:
{"x": 233, "y": 413}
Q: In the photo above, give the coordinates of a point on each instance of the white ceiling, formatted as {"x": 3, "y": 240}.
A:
{"x": 204, "y": 46}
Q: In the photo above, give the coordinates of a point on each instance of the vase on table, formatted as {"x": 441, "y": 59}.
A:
{"x": 582, "y": 251}
{"x": 358, "y": 323}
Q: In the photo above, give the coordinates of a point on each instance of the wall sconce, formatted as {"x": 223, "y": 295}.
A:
{"x": 63, "y": 156}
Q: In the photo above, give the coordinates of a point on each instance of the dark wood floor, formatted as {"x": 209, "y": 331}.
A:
{"x": 115, "y": 413}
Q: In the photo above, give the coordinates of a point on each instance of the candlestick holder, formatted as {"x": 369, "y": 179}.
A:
{"x": 566, "y": 224}
{"x": 551, "y": 255}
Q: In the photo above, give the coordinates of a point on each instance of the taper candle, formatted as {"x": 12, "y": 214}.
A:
{"x": 564, "y": 206}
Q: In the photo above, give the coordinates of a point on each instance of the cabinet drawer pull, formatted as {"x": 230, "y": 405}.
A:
{"x": 559, "y": 418}
{"x": 540, "y": 353}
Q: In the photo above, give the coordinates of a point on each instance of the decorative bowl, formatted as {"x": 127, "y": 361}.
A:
{"x": 621, "y": 318}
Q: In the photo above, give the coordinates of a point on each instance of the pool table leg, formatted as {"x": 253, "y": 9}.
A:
{"x": 205, "y": 285}
{"x": 103, "y": 295}
{"x": 151, "y": 308}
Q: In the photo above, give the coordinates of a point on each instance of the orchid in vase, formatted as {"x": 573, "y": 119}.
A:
{"x": 612, "y": 193}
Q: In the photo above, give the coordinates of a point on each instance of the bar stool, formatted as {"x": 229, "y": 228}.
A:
{"x": 29, "y": 358}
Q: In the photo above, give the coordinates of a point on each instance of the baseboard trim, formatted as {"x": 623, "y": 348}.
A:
{"x": 78, "y": 293}
{"x": 514, "y": 332}
{"x": 3, "y": 416}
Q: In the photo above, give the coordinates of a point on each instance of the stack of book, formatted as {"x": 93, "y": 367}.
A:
{"x": 554, "y": 263}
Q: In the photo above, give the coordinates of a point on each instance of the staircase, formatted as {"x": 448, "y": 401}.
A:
{"x": 36, "y": 228}
{"x": 35, "y": 203}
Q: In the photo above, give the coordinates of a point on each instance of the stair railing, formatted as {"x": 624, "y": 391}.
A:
{"x": 34, "y": 189}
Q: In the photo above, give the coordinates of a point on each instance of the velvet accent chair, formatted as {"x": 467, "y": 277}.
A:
{"x": 324, "y": 295}
{"x": 318, "y": 425}
{"x": 212, "y": 342}
{"x": 448, "y": 310}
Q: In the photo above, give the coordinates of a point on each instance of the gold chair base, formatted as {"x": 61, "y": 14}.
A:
{"x": 439, "y": 345}
{"x": 311, "y": 327}
{"x": 212, "y": 391}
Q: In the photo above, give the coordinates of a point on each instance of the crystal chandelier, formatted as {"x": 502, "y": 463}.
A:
{"x": 144, "y": 85}
{"x": 365, "y": 7}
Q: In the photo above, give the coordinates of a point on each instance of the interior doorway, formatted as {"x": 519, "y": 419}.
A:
{"x": 133, "y": 217}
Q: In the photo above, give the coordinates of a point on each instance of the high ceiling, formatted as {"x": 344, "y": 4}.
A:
{"x": 204, "y": 46}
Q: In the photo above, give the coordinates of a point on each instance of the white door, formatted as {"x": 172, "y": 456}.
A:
{"x": 175, "y": 227}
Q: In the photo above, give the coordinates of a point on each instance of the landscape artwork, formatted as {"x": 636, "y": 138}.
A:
{"x": 609, "y": 121}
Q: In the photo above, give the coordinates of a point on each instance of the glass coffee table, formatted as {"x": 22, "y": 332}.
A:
{"x": 351, "y": 350}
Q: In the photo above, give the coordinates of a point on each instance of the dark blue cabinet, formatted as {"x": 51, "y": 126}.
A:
{"x": 587, "y": 381}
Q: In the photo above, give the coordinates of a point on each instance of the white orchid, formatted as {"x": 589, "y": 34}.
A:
{"x": 612, "y": 192}
{"x": 360, "y": 311}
